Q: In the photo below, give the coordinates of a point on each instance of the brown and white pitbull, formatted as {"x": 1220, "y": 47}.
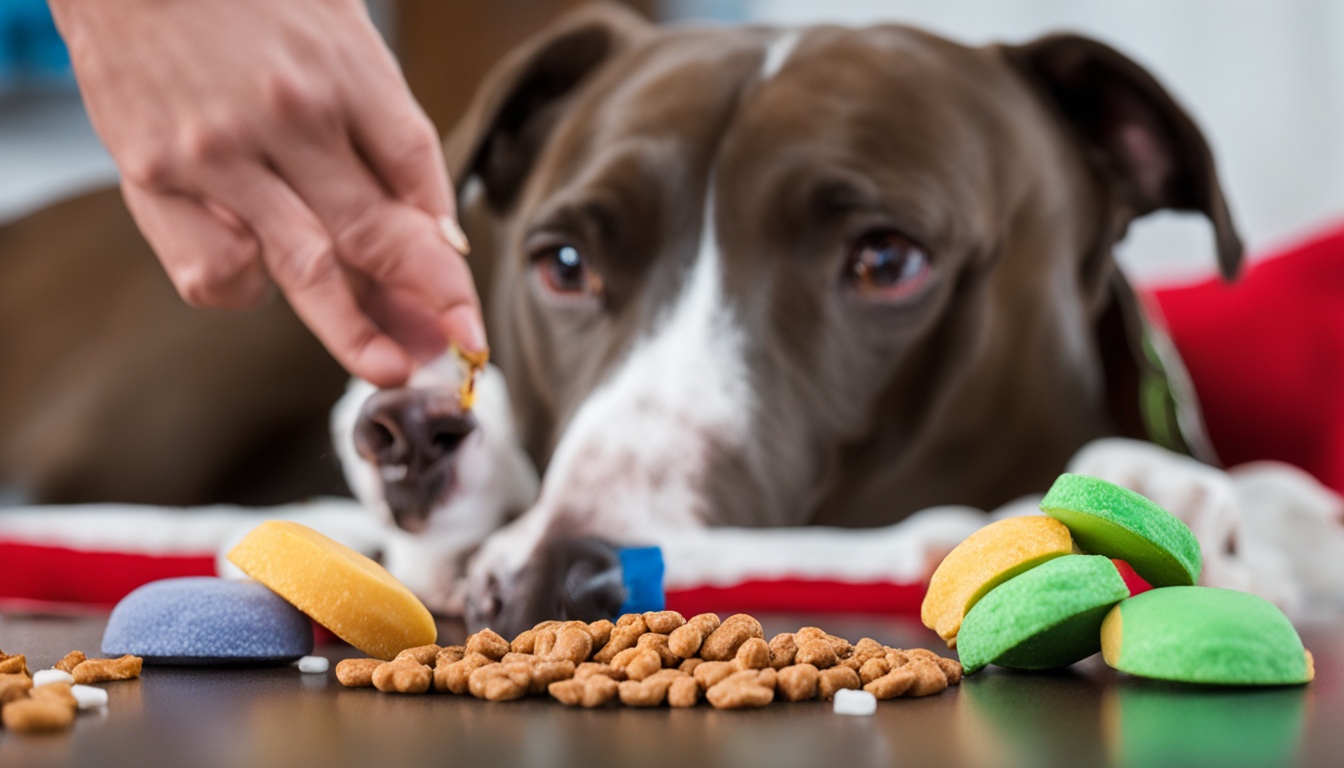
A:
{"x": 753, "y": 277}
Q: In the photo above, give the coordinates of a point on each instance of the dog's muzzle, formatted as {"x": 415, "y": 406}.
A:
{"x": 411, "y": 436}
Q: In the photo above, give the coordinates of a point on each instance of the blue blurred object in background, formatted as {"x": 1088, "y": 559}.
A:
{"x": 642, "y": 573}
{"x": 32, "y": 53}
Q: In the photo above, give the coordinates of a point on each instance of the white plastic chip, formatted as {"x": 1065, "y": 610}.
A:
{"x": 314, "y": 664}
{"x": 48, "y": 676}
{"x": 89, "y": 697}
{"x": 851, "y": 702}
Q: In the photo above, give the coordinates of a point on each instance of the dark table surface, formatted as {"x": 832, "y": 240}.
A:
{"x": 1084, "y": 716}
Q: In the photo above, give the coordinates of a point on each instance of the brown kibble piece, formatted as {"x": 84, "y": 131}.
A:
{"x": 70, "y": 661}
{"x": 546, "y": 672}
{"x": 663, "y": 622}
{"x": 525, "y": 642}
{"x": 741, "y": 690}
{"x": 600, "y": 631}
{"x": 545, "y": 640}
{"x": 689, "y": 665}
{"x": 59, "y": 692}
{"x": 722, "y": 643}
{"x": 620, "y": 660}
{"x": 839, "y": 645}
{"x": 683, "y": 692}
{"x": 643, "y": 663}
{"x": 951, "y": 670}
{"x": 711, "y": 673}
{"x": 872, "y": 669}
{"x": 13, "y": 665}
{"x": 929, "y": 678}
{"x": 623, "y": 637}
{"x": 105, "y": 670}
{"x": 592, "y": 691}
{"x": 489, "y": 644}
{"x": 658, "y": 643}
{"x": 815, "y": 649}
{"x": 357, "y": 673}
{"x": 865, "y": 650}
{"x": 891, "y": 684}
{"x": 455, "y": 677}
{"x": 500, "y": 682}
{"x": 590, "y": 668}
{"x": 421, "y": 654}
{"x": 14, "y": 686}
{"x": 37, "y": 715}
{"x": 686, "y": 640}
{"x": 649, "y": 692}
{"x": 572, "y": 644}
{"x": 402, "y": 676}
{"x": 449, "y": 654}
{"x": 753, "y": 654}
{"x": 798, "y": 682}
{"x": 868, "y": 645}
{"x": 895, "y": 657}
{"x": 782, "y": 650}
{"x": 834, "y": 679}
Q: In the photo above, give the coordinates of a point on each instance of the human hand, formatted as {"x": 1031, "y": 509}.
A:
{"x": 265, "y": 141}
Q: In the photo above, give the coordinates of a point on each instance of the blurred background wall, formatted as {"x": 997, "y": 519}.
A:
{"x": 1265, "y": 79}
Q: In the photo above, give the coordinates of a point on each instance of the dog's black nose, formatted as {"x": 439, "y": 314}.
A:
{"x": 410, "y": 427}
{"x": 412, "y": 436}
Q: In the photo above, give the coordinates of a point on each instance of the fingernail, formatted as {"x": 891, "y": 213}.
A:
{"x": 452, "y": 232}
{"x": 463, "y": 327}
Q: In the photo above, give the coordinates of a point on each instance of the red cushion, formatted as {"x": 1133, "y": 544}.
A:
{"x": 1266, "y": 355}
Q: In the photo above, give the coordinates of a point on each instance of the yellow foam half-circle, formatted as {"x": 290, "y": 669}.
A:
{"x": 1112, "y": 633}
{"x": 987, "y": 558}
{"x": 339, "y": 588}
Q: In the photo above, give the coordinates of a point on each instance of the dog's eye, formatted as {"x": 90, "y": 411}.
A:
{"x": 886, "y": 265}
{"x": 562, "y": 270}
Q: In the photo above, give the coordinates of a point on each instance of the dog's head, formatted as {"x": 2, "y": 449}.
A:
{"x": 750, "y": 276}
{"x": 761, "y": 276}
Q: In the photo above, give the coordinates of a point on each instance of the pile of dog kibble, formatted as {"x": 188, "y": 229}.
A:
{"x": 646, "y": 660}
{"x": 47, "y": 700}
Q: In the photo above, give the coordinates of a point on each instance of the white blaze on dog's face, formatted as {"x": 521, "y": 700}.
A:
{"x": 636, "y": 453}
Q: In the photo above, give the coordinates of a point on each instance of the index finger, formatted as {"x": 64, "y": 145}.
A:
{"x": 300, "y": 258}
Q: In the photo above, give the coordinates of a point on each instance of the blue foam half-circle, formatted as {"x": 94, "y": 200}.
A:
{"x": 205, "y": 620}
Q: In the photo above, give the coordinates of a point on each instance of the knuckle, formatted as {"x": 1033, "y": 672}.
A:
{"x": 228, "y": 280}
{"x": 198, "y": 287}
{"x": 151, "y": 169}
{"x": 360, "y": 238}
{"x": 291, "y": 99}
{"x": 413, "y": 141}
{"x": 204, "y": 142}
{"x": 306, "y": 265}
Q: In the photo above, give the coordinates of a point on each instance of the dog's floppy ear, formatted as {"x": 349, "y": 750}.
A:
{"x": 514, "y": 109}
{"x": 1136, "y": 135}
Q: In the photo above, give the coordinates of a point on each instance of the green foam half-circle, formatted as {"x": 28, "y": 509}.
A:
{"x": 1047, "y": 617}
{"x": 1107, "y": 519}
{"x": 1205, "y": 635}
